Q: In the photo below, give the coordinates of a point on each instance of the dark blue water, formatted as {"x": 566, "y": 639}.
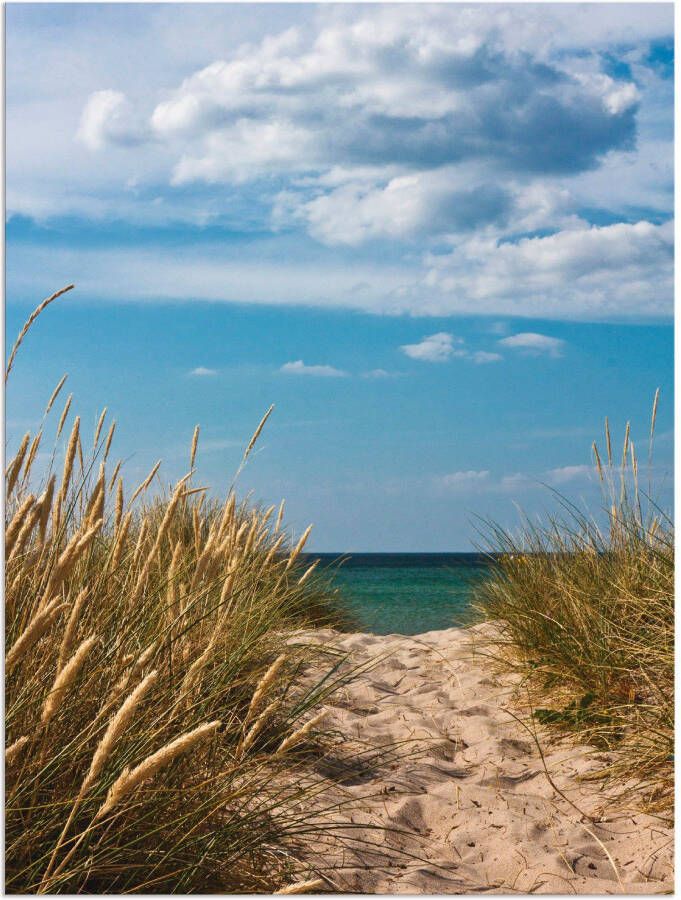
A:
{"x": 406, "y": 593}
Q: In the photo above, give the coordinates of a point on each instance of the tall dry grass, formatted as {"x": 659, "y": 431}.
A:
{"x": 154, "y": 707}
{"x": 586, "y": 614}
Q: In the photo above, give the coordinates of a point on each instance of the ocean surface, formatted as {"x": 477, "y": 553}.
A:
{"x": 406, "y": 593}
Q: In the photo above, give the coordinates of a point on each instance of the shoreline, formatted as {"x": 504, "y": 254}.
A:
{"x": 462, "y": 803}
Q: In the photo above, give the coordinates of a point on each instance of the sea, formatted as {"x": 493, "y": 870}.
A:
{"x": 406, "y": 593}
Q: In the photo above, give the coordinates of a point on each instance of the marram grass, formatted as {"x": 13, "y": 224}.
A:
{"x": 153, "y": 703}
{"x": 586, "y": 614}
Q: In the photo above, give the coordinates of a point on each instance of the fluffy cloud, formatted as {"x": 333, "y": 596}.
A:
{"x": 534, "y": 344}
{"x": 109, "y": 119}
{"x": 443, "y": 346}
{"x": 619, "y": 269}
{"x": 203, "y": 372}
{"x": 299, "y": 368}
{"x": 419, "y": 87}
{"x": 565, "y": 474}
{"x": 475, "y": 151}
{"x": 435, "y": 349}
{"x": 405, "y": 206}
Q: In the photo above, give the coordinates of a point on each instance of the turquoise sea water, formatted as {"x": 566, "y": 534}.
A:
{"x": 406, "y": 593}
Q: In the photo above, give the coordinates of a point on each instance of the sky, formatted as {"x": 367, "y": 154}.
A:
{"x": 439, "y": 238}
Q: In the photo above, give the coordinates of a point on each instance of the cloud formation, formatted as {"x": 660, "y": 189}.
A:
{"x": 533, "y": 344}
{"x": 513, "y": 482}
{"x": 436, "y": 348}
{"x": 510, "y": 159}
{"x": 420, "y": 87}
{"x": 440, "y": 347}
{"x": 203, "y": 372}
{"x": 586, "y": 271}
{"x": 108, "y": 118}
{"x": 565, "y": 474}
{"x": 299, "y": 368}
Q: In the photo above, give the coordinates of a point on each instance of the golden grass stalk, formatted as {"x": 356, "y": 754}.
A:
{"x": 117, "y": 725}
{"x": 70, "y": 457}
{"x": 306, "y": 574}
{"x": 265, "y": 716}
{"x": 30, "y": 459}
{"x": 298, "y": 548}
{"x": 227, "y": 514}
{"x": 79, "y": 450}
{"x": 14, "y": 468}
{"x": 274, "y": 549}
{"x": 130, "y": 780}
{"x": 118, "y": 512}
{"x": 94, "y": 509}
{"x": 301, "y": 733}
{"x": 31, "y": 319}
{"x": 65, "y": 679}
{"x": 17, "y": 522}
{"x": 109, "y": 439}
{"x": 257, "y": 432}
{"x": 114, "y": 474}
{"x": 74, "y": 549}
{"x": 99, "y": 426}
{"x": 195, "y": 443}
{"x": 64, "y": 414}
{"x": 263, "y": 686}
{"x": 55, "y": 394}
{"x": 303, "y": 887}
{"x": 45, "y": 506}
{"x": 147, "y": 481}
{"x": 280, "y": 516}
{"x": 13, "y": 752}
{"x": 160, "y": 536}
{"x": 35, "y": 629}
{"x": 30, "y": 521}
{"x": 68, "y": 639}
{"x": 120, "y": 545}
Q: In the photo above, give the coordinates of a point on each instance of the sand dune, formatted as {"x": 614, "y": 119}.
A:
{"x": 472, "y": 809}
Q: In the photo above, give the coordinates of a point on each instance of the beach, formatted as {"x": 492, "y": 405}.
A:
{"x": 449, "y": 793}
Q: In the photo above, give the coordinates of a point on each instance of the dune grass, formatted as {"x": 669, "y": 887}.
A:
{"x": 154, "y": 706}
{"x": 586, "y": 614}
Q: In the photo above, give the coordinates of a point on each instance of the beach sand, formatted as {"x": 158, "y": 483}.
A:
{"x": 460, "y": 801}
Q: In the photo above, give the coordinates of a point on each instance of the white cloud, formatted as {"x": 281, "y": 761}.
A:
{"x": 203, "y": 372}
{"x": 404, "y": 206}
{"x": 442, "y": 346}
{"x": 565, "y": 474}
{"x": 435, "y": 348}
{"x": 108, "y": 119}
{"x": 414, "y": 85}
{"x": 299, "y": 368}
{"x": 535, "y": 344}
{"x": 426, "y": 126}
{"x": 586, "y": 272}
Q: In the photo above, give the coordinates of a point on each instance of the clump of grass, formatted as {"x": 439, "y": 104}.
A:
{"x": 144, "y": 641}
{"x": 586, "y": 614}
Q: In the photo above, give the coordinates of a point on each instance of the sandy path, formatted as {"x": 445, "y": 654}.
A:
{"x": 476, "y": 807}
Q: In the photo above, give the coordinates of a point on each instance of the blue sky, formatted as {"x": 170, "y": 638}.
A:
{"x": 438, "y": 237}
